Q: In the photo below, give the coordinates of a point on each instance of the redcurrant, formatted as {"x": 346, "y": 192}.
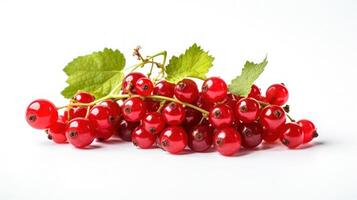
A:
{"x": 83, "y": 97}
{"x": 164, "y": 88}
{"x": 133, "y": 109}
{"x": 142, "y": 138}
{"x": 153, "y": 123}
{"x": 80, "y": 132}
{"x": 227, "y": 141}
{"x": 103, "y": 121}
{"x": 57, "y": 132}
{"x": 214, "y": 89}
{"x": 271, "y": 117}
{"x": 309, "y": 130}
{"x": 41, "y": 114}
{"x": 251, "y": 134}
{"x": 277, "y": 94}
{"x": 204, "y": 103}
{"x": 247, "y": 110}
{"x": 144, "y": 86}
{"x": 291, "y": 135}
{"x": 173, "y": 139}
{"x": 173, "y": 113}
{"x": 126, "y": 128}
{"x": 129, "y": 81}
{"x": 192, "y": 117}
{"x": 200, "y": 138}
{"x": 221, "y": 116}
{"x": 187, "y": 91}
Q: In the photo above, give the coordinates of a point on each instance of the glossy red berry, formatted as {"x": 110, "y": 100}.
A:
{"x": 151, "y": 105}
{"x": 129, "y": 81}
{"x": 113, "y": 107}
{"x": 173, "y": 139}
{"x": 126, "y": 128}
{"x": 186, "y": 91}
{"x": 251, "y": 134}
{"x": 308, "y": 129}
{"x": 214, "y": 89}
{"x": 80, "y": 132}
{"x": 247, "y": 110}
{"x": 291, "y": 135}
{"x": 133, "y": 109}
{"x": 192, "y": 118}
{"x": 144, "y": 86}
{"x": 204, "y": 103}
{"x": 255, "y": 92}
{"x": 277, "y": 94}
{"x": 227, "y": 141}
{"x": 232, "y": 100}
{"x": 164, "y": 88}
{"x": 103, "y": 121}
{"x": 200, "y": 138}
{"x": 83, "y": 97}
{"x": 142, "y": 138}
{"x": 271, "y": 117}
{"x": 270, "y": 136}
{"x": 173, "y": 114}
{"x": 57, "y": 132}
{"x": 41, "y": 114}
{"x": 153, "y": 123}
{"x": 221, "y": 116}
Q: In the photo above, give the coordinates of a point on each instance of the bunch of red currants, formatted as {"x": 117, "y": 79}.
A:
{"x": 173, "y": 116}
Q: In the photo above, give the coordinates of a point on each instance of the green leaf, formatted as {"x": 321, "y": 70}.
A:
{"x": 97, "y": 73}
{"x": 195, "y": 63}
{"x": 242, "y": 84}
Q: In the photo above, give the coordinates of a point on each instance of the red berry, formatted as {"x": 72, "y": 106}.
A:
{"x": 221, "y": 116}
{"x": 130, "y": 80}
{"x": 126, "y": 128}
{"x": 41, "y": 114}
{"x": 113, "y": 107}
{"x": 79, "y": 112}
{"x": 153, "y": 123}
{"x": 277, "y": 94}
{"x": 309, "y": 130}
{"x": 192, "y": 117}
{"x": 187, "y": 91}
{"x": 255, "y": 92}
{"x": 133, "y": 109}
{"x": 200, "y": 138}
{"x": 142, "y": 138}
{"x": 173, "y": 114}
{"x": 247, "y": 110}
{"x": 57, "y": 132}
{"x": 291, "y": 135}
{"x": 173, "y": 139}
{"x": 151, "y": 105}
{"x": 227, "y": 141}
{"x": 83, "y": 97}
{"x": 103, "y": 121}
{"x": 164, "y": 88}
{"x": 214, "y": 89}
{"x": 144, "y": 86}
{"x": 251, "y": 134}
{"x": 80, "y": 132}
{"x": 271, "y": 117}
{"x": 204, "y": 103}
{"x": 270, "y": 136}
{"x": 232, "y": 100}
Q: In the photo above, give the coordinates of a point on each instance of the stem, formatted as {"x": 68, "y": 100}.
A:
{"x": 290, "y": 118}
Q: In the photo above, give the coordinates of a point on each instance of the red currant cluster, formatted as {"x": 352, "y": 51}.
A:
{"x": 173, "y": 116}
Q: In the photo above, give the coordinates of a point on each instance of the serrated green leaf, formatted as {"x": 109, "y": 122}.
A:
{"x": 195, "y": 62}
{"x": 97, "y": 73}
{"x": 242, "y": 84}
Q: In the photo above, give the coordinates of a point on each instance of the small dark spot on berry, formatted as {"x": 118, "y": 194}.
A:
{"x": 217, "y": 113}
{"x": 32, "y": 118}
{"x": 46, "y": 131}
{"x": 73, "y": 134}
{"x": 248, "y": 132}
{"x": 111, "y": 119}
{"x": 198, "y": 136}
{"x": 165, "y": 143}
{"x": 49, "y": 137}
{"x": 127, "y": 110}
{"x": 315, "y": 134}
{"x": 172, "y": 105}
{"x": 135, "y": 143}
{"x": 243, "y": 108}
{"x": 277, "y": 113}
{"x": 286, "y": 108}
{"x": 219, "y": 142}
{"x": 285, "y": 141}
{"x": 204, "y": 88}
{"x": 152, "y": 130}
{"x": 181, "y": 85}
{"x": 145, "y": 87}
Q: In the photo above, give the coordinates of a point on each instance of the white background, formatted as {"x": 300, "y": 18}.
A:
{"x": 311, "y": 47}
